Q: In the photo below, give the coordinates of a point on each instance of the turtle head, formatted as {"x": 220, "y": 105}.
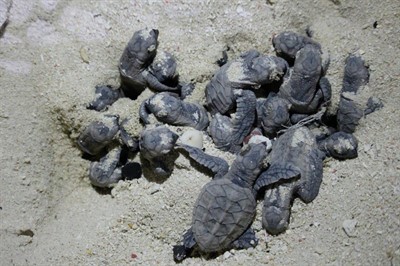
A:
{"x": 143, "y": 45}
{"x": 249, "y": 163}
{"x": 267, "y": 69}
{"x": 275, "y": 219}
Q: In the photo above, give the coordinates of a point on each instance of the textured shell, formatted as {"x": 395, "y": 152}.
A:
{"x": 223, "y": 211}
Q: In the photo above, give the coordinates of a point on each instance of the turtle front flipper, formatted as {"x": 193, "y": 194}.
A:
{"x": 245, "y": 115}
{"x": 155, "y": 84}
{"x": 218, "y": 166}
{"x": 276, "y": 172}
{"x": 144, "y": 113}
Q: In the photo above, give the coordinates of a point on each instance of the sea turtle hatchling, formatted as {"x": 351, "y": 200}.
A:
{"x": 250, "y": 70}
{"x": 299, "y": 85}
{"x": 105, "y": 172}
{"x": 155, "y": 144}
{"x": 288, "y": 43}
{"x": 134, "y": 64}
{"x": 295, "y": 155}
{"x": 98, "y": 134}
{"x": 340, "y": 145}
{"x": 170, "y": 109}
{"x": 272, "y": 114}
{"x": 104, "y": 96}
{"x": 225, "y": 207}
{"x": 228, "y": 133}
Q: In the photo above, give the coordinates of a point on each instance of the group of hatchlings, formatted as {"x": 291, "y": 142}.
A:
{"x": 280, "y": 137}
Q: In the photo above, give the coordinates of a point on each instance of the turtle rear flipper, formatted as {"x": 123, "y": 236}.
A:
{"x": 276, "y": 172}
{"x": 247, "y": 240}
{"x": 185, "y": 250}
{"x": 218, "y": 166}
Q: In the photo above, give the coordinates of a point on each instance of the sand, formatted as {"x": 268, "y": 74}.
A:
{"x": 54, "y": 52}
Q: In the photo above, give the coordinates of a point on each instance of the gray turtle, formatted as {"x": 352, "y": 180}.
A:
{"x": 168, "y": 108}
{"x": 225, "y": 207}
{"x": 131, "y": 142}
{"x": 294, "y": 155}
{"x": 134, "y": 64}
{"x": 164, "y": 68}
{"x": 300, "y": 83}
{"x": 340, "y": 145}
{"x": 352, "y": 106}
{"x": 273, "y": 114}
{"x": 98, "y": 134}
{"x": 228, "y": 134}
{"x": 155, "y": 144}
{"x": 288, "y": 43}
{"x": 105, "y": 172}
{"x": 105, "y": 96}
{"x": 250, "y": 70}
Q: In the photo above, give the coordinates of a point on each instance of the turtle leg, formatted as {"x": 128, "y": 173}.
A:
{"x": 308, "y": 188}
{"x": 155, "y": 84}
{"x": 245, "y": 116}
{"x": 218, "y": 166}
{"x": 185, "y": 250}
{"x": 280, "y": 171}
{"x": 247, "y": 240}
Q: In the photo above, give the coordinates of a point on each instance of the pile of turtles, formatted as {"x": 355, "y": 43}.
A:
{"x": 270, "y": 111}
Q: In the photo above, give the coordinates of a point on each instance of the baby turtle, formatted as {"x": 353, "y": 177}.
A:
{"x": 294, "y": 155}
{"x": 155, "y": 144}
{"x": 104, "y": 97}
{"x": 105, "y": 173}
{"x": 98, "y": 134}
{"x": 288, "y": 43}
{"x": 134, "y": 64}
{"x": 300, "y": 83}
{"x": 164, "y": 68}
{"x": 340, "y": 145}
{"x": 250, "y": 70}
{"x": 168, "y": 108}
{"x": 273, "y": 114}
{"x": 228, "y": 134}
{"x": 351, "y": 105}
{"x": 131, "y": 142}
{"x": 225, "y": 207}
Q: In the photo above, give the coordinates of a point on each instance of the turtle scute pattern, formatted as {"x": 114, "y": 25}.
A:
{"x": 223, "y": 211}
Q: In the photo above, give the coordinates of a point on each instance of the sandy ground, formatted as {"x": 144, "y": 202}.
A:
{"x": 54, "y": 52}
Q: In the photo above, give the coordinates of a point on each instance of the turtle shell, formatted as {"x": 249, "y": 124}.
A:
{"x": 223, "y": 212}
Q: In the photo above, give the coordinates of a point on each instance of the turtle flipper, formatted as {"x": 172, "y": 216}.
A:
{"x": 144, "y": 113}
{"x": 276, "y": 172}
{"x": 185, "y": 250}
{"x": 245, "y": 115}
{"x": 217, "y": 165}
{"x": 247, "y": 240}
{"x": 155, "y": 84}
